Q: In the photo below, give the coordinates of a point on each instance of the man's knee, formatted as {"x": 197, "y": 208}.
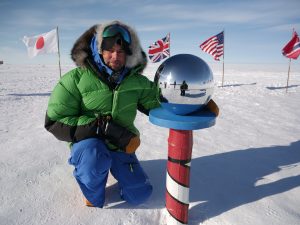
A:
{"x": 91, "y": 159}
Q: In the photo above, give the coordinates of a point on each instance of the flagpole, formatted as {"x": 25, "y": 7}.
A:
{"x": 223, "y": 55}
{"x": 58, "y": 51}
{"x": 288, "y": 77}
{"x": 169, "y": 44}
{"x": 287, "y": 81}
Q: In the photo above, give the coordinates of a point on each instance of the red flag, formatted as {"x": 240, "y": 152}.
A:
{"x": 292, "y": 48}
{"x": 42, "y": 43}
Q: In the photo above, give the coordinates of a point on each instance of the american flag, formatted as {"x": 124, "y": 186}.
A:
{"x": 292, "y": 48}
{"x": 160, "y": 49}
{"x": 214, "y": 46}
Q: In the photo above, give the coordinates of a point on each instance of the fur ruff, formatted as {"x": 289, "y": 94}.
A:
{"x": 81, "y": 49}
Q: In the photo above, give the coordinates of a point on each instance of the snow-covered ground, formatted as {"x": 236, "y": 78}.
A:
{"x": 245, "y": 170}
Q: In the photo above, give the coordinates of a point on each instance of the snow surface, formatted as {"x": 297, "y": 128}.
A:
{"x": 245, "y": 170}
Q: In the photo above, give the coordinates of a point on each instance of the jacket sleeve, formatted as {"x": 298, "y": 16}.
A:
{"x": 149, "y": 97}
{"x": 63, "y": 117}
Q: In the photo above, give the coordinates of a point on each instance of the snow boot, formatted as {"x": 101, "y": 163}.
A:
{"x": 87, "y": 202}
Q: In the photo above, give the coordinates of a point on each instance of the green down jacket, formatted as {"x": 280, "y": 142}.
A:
{"x": 81, "y": 97}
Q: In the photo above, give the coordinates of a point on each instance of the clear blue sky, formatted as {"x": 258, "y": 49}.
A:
{"x": 255, "y": 30}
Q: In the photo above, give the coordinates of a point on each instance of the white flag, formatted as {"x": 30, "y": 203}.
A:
{"x": 42, "y": 43}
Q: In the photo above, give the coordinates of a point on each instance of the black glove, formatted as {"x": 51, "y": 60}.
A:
{"x": 118, "y": 135}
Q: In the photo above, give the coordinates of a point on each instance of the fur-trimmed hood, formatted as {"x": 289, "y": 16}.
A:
{"x": 81, "y": 50}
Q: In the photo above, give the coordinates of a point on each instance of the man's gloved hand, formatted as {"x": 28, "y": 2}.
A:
{"x": 118, "y": 135}
{"x": 212, "y": 106}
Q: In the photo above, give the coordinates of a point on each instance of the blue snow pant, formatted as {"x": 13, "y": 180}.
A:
{"x": 93, "y": 161}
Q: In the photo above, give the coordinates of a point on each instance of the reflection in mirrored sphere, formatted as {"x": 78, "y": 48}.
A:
{"x": 186, "y": 83}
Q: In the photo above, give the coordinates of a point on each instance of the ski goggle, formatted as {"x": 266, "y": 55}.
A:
{"x": 115, "y": 29}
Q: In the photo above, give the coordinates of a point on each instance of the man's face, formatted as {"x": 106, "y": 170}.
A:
{"x": 115, "y": 57}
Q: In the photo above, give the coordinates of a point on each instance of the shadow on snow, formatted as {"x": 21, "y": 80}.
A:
{"x": 30, "y": 94}
{"x": 237, "y": 85}
{"x": 224, "y": 181}
{"x": 278, "y": 88}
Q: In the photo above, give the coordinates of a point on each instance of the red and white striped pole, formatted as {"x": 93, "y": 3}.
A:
{"x": 178, "y": 176}
{"x": 179, "y": 157}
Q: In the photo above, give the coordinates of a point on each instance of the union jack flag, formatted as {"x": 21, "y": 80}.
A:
{"x": 160, "y": 49}
{"x": 292, "y": 48}
{"x": 214, "y": 46}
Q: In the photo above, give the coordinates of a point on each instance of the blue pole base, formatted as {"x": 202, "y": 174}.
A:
{"x": 199, "y": 119}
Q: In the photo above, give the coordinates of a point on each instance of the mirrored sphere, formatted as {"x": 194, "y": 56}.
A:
{"x": 186, "y": 83}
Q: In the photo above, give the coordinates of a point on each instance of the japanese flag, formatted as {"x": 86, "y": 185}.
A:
{"x": 42, "y": 43}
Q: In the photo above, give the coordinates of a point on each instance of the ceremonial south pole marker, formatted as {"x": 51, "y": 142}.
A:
{"x": 180, "y": 145}
{"x": 186, "y": 86}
